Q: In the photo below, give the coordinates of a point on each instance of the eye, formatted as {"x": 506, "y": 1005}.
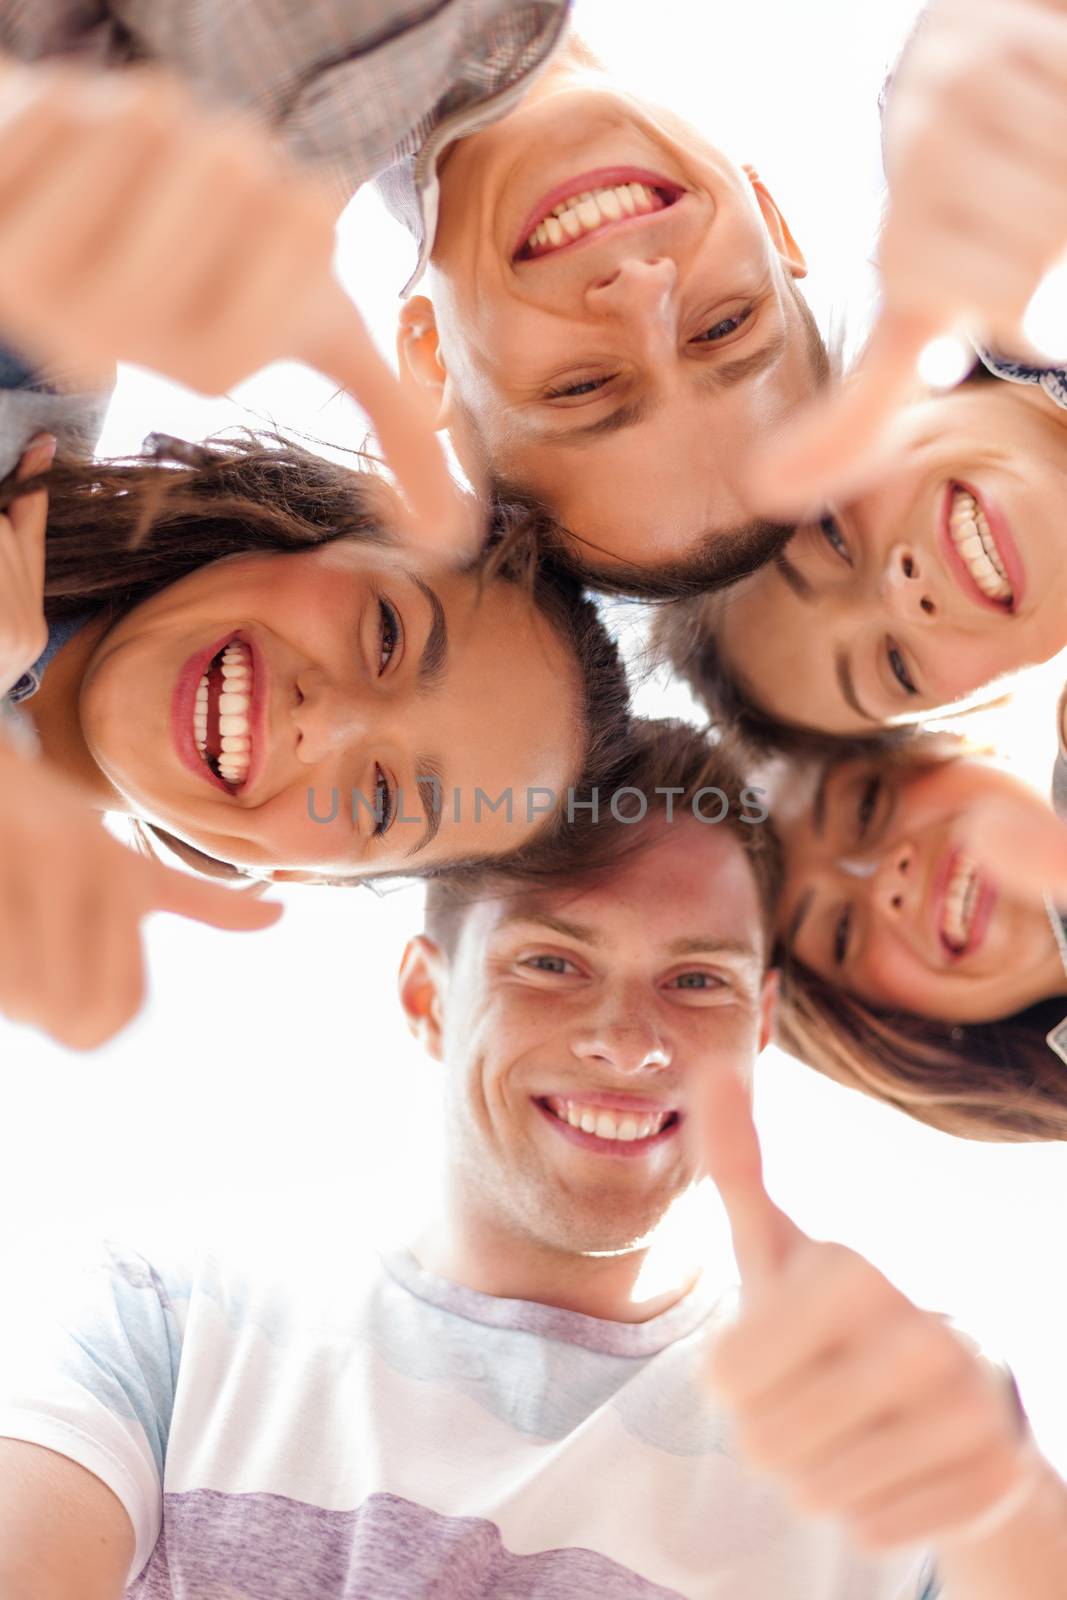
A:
{"x": 868, "y": 804}
{"x": 554, "y": 965}
{"x": 384, "y": 803}
{"x": 831, "y": 532}
{"x": 842, "y": 930}
{"x": 698, "y": 980}
{"x": 899, "y": 669}
{"x": 389, "y": 633}
{"x": 574, "y": 391}
{"x": 723, "y": 329}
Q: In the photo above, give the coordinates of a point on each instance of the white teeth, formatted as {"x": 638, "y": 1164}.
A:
{"x": 234, "y": 714}
{"x": 608, "y": 1124}
{"x": 972, "y": 538}
{"x": 960, "y": 903}
{"x": 584, "y": 213}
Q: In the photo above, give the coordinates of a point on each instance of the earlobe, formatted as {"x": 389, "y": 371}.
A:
{"x": 768, "y": 1007}
{"x": 418, "y": 352}
{"x": 791, "y": 253}
{"x": 420, "y": 983}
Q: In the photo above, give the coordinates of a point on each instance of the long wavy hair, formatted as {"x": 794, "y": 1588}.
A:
{"x": 120, "y": 531}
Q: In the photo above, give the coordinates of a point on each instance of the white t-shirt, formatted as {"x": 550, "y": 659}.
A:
{"x": 353, "y": 1428}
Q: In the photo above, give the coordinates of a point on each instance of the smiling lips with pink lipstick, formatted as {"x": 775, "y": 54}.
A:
{"x": 618, "y": 1125}
{"x": 590, "y": 204}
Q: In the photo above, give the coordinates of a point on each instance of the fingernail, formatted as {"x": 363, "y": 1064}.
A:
{"x": 42, "y": 451}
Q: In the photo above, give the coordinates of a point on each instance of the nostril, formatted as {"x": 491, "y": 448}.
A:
{"x": 927, "y": 605}
{"x": 909, "y": 567}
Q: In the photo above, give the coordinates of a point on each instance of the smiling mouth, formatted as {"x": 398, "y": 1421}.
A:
{"x": 960, "y": 903}
{"x": 222, "y": 714}
{"x": 592, "y": 211}
{"x": 973, "y": 540}
{"x": 614, "y": 1126}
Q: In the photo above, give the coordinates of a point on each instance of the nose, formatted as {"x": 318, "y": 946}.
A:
{"x": 639, "y": 292}
{"x": 893, "y": 884}
{"x": 328, "y": 716}
{"x": 626, "y": 1041}
{"x": 906, "y": 588}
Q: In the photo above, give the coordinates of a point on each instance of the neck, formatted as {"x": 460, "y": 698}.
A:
{"x": 54, "y": 713}
{"x": 475, "y": 1247}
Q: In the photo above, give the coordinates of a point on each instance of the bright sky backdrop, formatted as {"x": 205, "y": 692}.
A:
{"x": 270, "y": 1085}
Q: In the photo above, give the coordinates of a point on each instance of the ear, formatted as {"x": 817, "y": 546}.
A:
{"x": 768, "y": 1007}
{"x": 777, "y": 226}
{"x": 421, "y": 984}
{"x": 418, "y": 352}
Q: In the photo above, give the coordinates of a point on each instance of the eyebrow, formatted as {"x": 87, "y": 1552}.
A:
{"x": 429, "y": 781}
{"x": 434, "y": 658}
{"x": 726, "y": 376}
{"x": 843, "y": 671}
{"x": 686, "y": 946}
{"x": 794, "y": 578}
{"x": 797, "y": 918}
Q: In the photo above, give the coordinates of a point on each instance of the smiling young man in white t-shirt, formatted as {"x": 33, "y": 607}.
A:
{"x": 537, "y": 1398}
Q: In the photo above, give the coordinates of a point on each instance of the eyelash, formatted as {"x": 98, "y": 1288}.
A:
{"x": 731, "y": 325}
{"x": 899, "y": 670}
{"x": 385, "y": 803}
{"x": 721, "y": 330}
{"x": 832, "y": 534}
{"x": 842, "y": 929}
{"x": 390, "y": 622}
{"x": 868, "y": 803}
{"x": 587, "y": 386}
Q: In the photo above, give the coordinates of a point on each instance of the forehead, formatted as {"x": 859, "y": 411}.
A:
{"x": 691, "y": 880}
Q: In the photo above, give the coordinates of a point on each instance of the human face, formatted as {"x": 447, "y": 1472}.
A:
{"x": 875, "y": 872}
{"x": 874, "y": 615}
{"x": 621, "y": 375}
{"x": 612, "y": 997}
{"x": 364, "y": 679}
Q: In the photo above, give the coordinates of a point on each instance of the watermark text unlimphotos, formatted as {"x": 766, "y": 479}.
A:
{"x": 526, "y": 806}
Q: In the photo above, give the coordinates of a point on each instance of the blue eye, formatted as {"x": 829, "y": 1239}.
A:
{"x": 552, "y": 964}
{"x": 575, "y": 390}
{"x": 899, "y": 670}
{"x": 698, "y": 980}
{"x": 723, "y": 329}
{"x": 831, "y": 532}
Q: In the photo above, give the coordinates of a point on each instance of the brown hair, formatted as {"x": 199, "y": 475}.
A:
{"x": 121, "y": 531}
{"x": 996, "y": 1081}
{"x": 990, "y": 1080}
{"x": 664, "y": 755}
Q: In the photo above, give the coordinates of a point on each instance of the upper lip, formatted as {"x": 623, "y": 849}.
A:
{"x": 182, "y": 710}
{"x": 1002, "y": 538}
{"x": 601, "y": 178}
{"x": 641, "y": 1105}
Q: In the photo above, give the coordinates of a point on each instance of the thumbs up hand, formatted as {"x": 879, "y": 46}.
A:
{"x": 864, "y": 1407}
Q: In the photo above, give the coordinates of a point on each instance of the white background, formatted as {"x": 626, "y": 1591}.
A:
{"x": 270, "y": 1084}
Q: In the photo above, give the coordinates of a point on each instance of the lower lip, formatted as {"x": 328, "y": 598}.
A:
{"x": 602, "y": 178}
{"x": 1006, "y": 549}
{"x": 626, "y": 1149}
{"x": 184, "y": 699}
